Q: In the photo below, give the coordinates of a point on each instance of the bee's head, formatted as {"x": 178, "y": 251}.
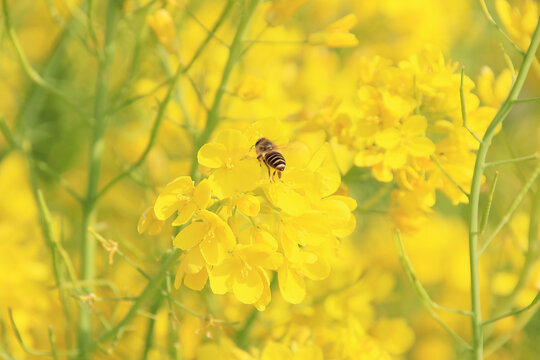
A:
{"x": 262, "y": 145}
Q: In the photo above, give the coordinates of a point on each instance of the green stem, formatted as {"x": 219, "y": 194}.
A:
{"x": 149, "y": 339}
{"x": 423, "y": 295}
{"x": 476, "y": 319}
{"x": 489, "y": 202}
{"x": 515, "y": 312}
{"x": 513, "y": 207}
{"x": 96, "y": 151}
{"x": 52, "y": 341}
{"x": 531, "y": 258}
{"x": 152, "y": 139}
{"x": 235, "y": 53}
{"x": 211, "y": 34}
{"x": 534, "y": 156}
{"x": 46, "y": 228}
{"x": 151, "y": 288}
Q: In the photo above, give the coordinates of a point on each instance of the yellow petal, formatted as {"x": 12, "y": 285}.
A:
{"x": 344, "y": 24}
{"x": 421, "y": 147}
{"x": 309, "y": 352}
{"x": 265, "y": 238}
{"x": 212, "y": 155}
{"x": 168, "y": 201}
{"x": 190, "y": 236}
{"x": 244, "y": 176}
{"x": 382, "y": 173}
{"x": 193, "y": 262}
{"x": 290, "y": 247}
{"x": 395, "y": 158}
{"x": 236, "y": 144}
{"x": 196, "y": 281}
{"x": 248, "y": 205}
{"x": 266, "y": 295}
{"x": 347, "y": 200}
{"x": 201, "y": 195}
{"x": 179, "y": 277}
{"x": 388, "y": 138}
{"x": 367, "y": 158}
{"x": 291, "y": 285}
{"x": 503, "y": 85}
{"x": 291, "y": 202}
{"x": 221, "y": 276}
{"x": 213, "y": 251}
{"x": 250, "y": 88}
{"x": 273, "y": 351}
{"x": 317, "y": 270}
{"x": 415, "y": 125}
{"x": 222, "y": 230}
{"x": 247, "y": 286}
{"x": 185, "y": 214}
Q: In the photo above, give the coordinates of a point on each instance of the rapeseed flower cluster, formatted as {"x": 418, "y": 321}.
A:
{"x": 244, "y": 228}
{"x": 406, "y": 125}
{"x": 116, "y": 111}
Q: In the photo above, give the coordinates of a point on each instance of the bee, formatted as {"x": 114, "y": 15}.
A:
{"x": 267, "y": 153}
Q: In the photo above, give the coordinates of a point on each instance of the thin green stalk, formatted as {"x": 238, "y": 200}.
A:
{"x": 211, "y": 34}
{"x": 515, "y": 312}
{"x": 463, "y": 107}
{"x": 96, "y": 151}
{"x": 150, "y": 290}
{"x": 534, "y": 156}
{"x": 7, "y": 133}
{"x": 520, "y": 101}
{"x": 174, "y": 349}
{"x": 499, "y": 29}
{"x": 29, "y": 350}
{"x": 153, "y": 136}
{"x": 423, "y": 295}
{"x": 48, "y": 235}
{"x": 531, "y": 258}
{"x": 52, "y": 341}
{"x": 149, "y": 338}
{"x": 235, "y": 53}
{"x": 474, "y": 199}
{"x": 27, "y": 67}
{"x": 447, "y": 174}
{"x": 513, "y": 207}
{"x": 489, "y": 202}
{"x": 120, "y": 253}
{"x": 522, "y": 320}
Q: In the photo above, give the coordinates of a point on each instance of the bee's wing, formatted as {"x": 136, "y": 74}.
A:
{"x": 295, "y": 153}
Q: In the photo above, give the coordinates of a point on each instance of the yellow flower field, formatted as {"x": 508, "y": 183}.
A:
{"x": 277, "y": 179}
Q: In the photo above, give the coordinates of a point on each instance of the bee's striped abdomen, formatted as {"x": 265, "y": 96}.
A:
{"x": 275, "y": 160}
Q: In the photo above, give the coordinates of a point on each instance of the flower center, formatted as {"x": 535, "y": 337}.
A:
{"x": 182, "y": 197}
{"x": 229, "y": 164}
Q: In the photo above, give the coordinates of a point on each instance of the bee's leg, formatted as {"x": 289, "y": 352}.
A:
{"x": 259, "y": 158}
{"x": 279, "y": 175}
{"x": 268, "y": 168}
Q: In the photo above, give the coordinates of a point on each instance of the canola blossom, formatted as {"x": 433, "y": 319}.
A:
{"x": 393, "y": 214}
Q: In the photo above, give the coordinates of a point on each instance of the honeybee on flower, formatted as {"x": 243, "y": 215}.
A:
{"x": 267, "y": 153}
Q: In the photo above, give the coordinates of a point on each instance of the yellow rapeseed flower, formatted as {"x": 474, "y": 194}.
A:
{"x": 234, "y": 171}
{"x": 162, "y": 24}
{"x": 244, "y": 274}
{"x": 250, "y": 88}
{"x": 211, "y": 234}
{"x": 183, "y": 196}
{"x": 336, "y": 34}
{"x": 519, "y": 19}
{"x": 149, "y": 222}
